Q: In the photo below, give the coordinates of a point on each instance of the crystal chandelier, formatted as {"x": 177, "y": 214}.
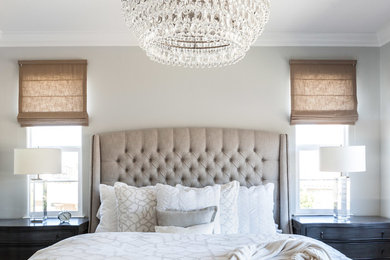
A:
{"x": 196, "y": 33}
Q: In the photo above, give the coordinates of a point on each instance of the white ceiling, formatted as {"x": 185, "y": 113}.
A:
{"x": 100, "y": 22}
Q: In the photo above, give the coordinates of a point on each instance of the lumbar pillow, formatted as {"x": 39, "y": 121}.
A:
{"x": 197, "y": 229}
{"x": 136, "y": 208}
{"x": 107, "y": 212}
{"x": 255, "y": 209}
{"x": 181, "y": 218}
{"x": 185, "y": 198}
{"x": 229, "y": 207}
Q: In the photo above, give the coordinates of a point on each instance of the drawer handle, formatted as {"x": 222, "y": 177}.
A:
{"x": 322, "y": 235}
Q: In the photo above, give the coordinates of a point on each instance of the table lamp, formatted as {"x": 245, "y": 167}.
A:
{"x": 38, "y": 161}
{"x": 343, "y": 159}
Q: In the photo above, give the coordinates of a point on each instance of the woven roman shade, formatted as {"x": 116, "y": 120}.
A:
{"x": 323, "y": 92}
{"x": 53, "y": 93}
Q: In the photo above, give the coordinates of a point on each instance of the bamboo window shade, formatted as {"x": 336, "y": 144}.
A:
{"x": 53, "y": 93}
{"x": 323, "y": 92}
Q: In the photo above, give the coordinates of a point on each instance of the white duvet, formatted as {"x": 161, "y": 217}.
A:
{"x": 187, "y": 246}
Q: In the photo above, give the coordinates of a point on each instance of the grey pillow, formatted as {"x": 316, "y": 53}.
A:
{"x": 179, "y": 218}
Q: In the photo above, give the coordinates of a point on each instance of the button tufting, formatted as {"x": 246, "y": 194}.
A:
{"x": 231, "y": 178}
{"x": 134, "y": 160}
{"x": 199, "y": 179}
{"x": 158, "y": 169}
{"x": 239, "y": 150}
{"x": 135, "y": 179}
{"x": 158, "y": 150}
{"x": 174, "y": 150}
{"x": 199, "y": 159}
{"x": 166, "y": 160}
{"x": 190, "y": 150}
{"x": 247, "y": 160}
{"x": 142, "y": 169}
{"x": 207, "y": 150}
{"x": 183, "y": 159}
{"x": 255, "y": 150}
{"x": 118, "y": 160}
{"x": 126, "y": 150}
{"x": 224, "y": 169}
{"x": 150, "y": 160}
{"x": 150, "y": 179}
{"x": 127, "y": 170}
{"x": 174, "y": 169}
{"x": 231, "y": 160}
{"x": 255, "y": 169}
{"x": 263, "y": 159}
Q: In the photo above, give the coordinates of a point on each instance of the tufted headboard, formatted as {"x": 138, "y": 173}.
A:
{"x": 194, "y": 157}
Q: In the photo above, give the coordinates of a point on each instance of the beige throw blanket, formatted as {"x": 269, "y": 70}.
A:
{"x": 281, "y": 249}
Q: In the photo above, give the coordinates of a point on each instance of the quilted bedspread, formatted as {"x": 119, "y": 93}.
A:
{"x": 125, "y": 245}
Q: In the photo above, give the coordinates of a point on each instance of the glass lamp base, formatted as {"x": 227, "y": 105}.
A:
{"x": 341, "y": 217}
{"x": 38, "y": 220}
{"x": 39, "y": 190}
{"x": 342, "y": 204}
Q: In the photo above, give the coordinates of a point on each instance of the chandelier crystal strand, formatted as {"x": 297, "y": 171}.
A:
{"x": 196, "y": 33}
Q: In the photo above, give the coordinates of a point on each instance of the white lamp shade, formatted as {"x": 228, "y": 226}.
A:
{"x": 343, "y": 159}
{"x": 37, "y": 161}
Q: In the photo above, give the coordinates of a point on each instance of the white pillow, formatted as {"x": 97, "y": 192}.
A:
{"x": 255, "y": 210}
{"x": 197, "y": 229}
{"x": 229, "y": 207}
{"x": 136, "y": 208}
{"x": 186, "y": 198}
{"x": 107, "y": 212}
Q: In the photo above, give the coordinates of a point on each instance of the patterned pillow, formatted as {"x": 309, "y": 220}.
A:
{"x": 136, "y": 208}
{"x": 229, "y": 207}
{"x": 185, "y": 198}
{"x": 255, "y": 207}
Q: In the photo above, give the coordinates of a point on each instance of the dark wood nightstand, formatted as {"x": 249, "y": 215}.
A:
{"x": 358, "y": 238}
{"x": 20, "y": 239}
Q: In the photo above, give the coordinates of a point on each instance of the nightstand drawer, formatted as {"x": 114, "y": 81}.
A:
{"x": 380, "y": 250}
{"x": 347, "y": 233}
{"x": 47, "y": 236}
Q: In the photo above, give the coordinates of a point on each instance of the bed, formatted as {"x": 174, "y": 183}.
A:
{"x": 193, "y": 157}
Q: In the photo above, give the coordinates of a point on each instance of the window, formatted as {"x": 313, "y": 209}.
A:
{"x": 316, "y": 189}
{"x": 63, "y": 190}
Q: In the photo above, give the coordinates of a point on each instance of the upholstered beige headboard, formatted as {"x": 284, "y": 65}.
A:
{"x": 194, "y": 157}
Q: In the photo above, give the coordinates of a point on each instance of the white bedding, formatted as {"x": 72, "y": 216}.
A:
{"x": 123, "y": 245}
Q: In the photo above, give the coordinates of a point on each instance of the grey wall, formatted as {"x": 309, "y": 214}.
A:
{"x": 127, "y": 91}
{"x": 385, "y": 129}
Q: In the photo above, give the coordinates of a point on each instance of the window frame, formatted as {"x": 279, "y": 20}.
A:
{"x": 310, "y": 147}
{"x": 77, "y": 149}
